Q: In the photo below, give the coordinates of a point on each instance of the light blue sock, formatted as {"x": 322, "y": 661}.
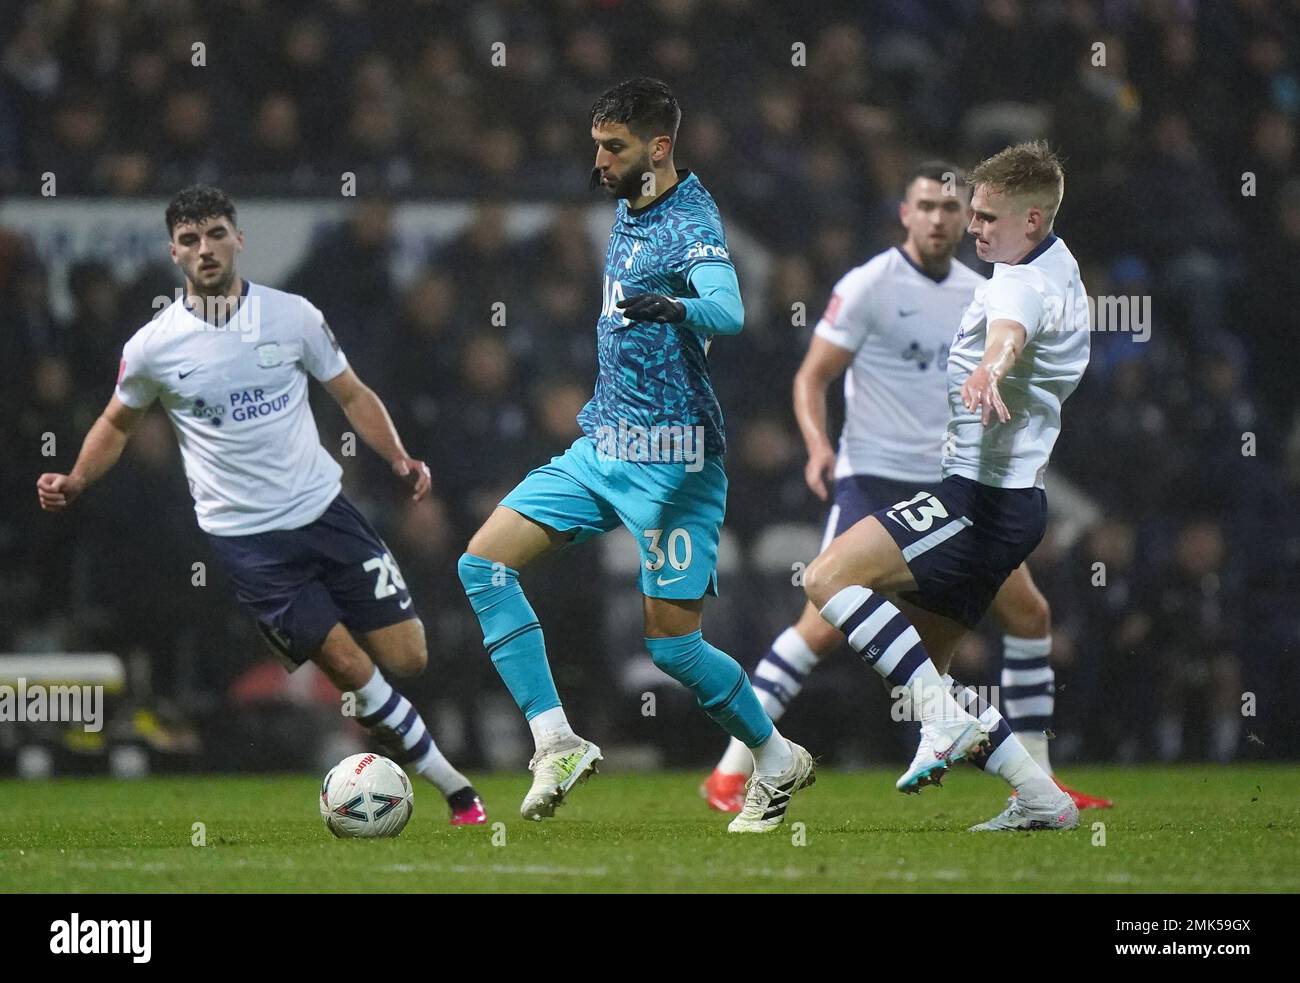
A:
{"x": 720, "y": 686}
{"x": 511, "y": 633}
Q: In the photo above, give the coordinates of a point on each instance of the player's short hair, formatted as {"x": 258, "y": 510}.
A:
{"x": 942, "y": 171}
{"x": 1026, "y": 170}
{"x": 645, "y": 105}
{"x": 196, "y": 203}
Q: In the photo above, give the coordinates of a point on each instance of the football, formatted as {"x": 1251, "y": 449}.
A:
{"x": 366, "y": 795}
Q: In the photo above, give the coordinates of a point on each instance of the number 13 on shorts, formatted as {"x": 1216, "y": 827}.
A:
{"x": 919, "y": 511}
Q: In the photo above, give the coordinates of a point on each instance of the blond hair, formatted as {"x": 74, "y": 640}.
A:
{"x": 1029, "y": 171}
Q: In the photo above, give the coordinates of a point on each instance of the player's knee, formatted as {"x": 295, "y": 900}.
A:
{"x": 666, "y": 654}
{"x": 1031, "y": 618}
{"x": 675, "y": 655}
{"x": 477, "y": 573}
{"x": 468, "y": 570}
{"x": 346, "y": 666}
{"x": 411, "y": 655}
{"x": 822, "y": 580}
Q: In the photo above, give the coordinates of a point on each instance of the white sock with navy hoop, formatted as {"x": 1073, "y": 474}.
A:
{"x": 403, "y": 735}
{"x": 1029, "y": 693}
{"x": 890, "y": 644}
{"x": 1008, "y": 757}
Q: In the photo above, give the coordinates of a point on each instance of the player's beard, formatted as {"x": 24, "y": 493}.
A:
{"x": 632, "y": 182}
{"x": 942, "y": 254}
{"x": 217, "y": 289}
{"x": 938, "y": 253}
{"x": 210, "y": 303}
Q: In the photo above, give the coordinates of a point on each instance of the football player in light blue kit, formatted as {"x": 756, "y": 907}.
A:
{"x": 650, "y": 459}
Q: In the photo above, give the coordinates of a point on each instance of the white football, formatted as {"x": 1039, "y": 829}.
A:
{"x": 366, "y": 795}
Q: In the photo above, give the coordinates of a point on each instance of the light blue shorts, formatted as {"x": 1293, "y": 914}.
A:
{"x": 674, "y": 514}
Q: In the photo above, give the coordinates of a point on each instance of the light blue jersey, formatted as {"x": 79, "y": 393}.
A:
{"x": 653, "y": 378}
{"x": 657, "y": 375}
{"x": 653, "y": 382}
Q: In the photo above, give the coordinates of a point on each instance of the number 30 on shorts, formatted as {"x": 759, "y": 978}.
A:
{"x": 678, "y": 554}
{"x": 919, "y": 511}
{"x": 389, "y": 580}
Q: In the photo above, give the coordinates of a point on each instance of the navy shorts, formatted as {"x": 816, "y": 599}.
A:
{"x": 859, "y": 495}
{"x": 962, "y": 540}
{"x": 299, "y": 583}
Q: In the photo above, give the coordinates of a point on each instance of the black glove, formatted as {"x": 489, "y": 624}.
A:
{"x": 653, "y": 307}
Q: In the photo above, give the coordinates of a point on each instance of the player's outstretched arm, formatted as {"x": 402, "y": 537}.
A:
{"x": 824, "y": 363}
{"x": 99, "y": 452}
{"x": 1003, "y": 344}
{"x": 717, "y": 310}
{"x": 367, "y": 413}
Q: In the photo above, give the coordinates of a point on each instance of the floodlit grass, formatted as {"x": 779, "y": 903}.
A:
{"x": 1189, "y": 829}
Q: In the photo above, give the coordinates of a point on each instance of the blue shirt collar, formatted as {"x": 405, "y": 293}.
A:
{"x": 682, "y": 177}
{"x": 1038, "y": 250}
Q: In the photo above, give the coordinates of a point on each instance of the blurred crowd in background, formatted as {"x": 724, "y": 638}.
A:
{"x": 1177, "y": 122}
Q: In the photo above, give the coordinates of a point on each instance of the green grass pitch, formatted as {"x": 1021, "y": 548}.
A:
{"x": 1188, "y": 829}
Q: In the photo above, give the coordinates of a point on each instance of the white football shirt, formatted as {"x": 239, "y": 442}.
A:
{"x": 898, "y": 321}
{"x": 1045, "y": 293}
{"x": 237, "y": 398}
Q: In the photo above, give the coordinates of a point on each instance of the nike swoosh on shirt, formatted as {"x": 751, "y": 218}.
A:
{"x": 664, "y": 583}
{"x": 903, "y": 313}
{"x": 406, "y": 604}
{"x": 184, "y": 374}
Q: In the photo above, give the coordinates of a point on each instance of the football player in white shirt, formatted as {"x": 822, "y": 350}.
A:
{"x": 1021, "y": 349}
{"x": 229, "y": 363}
{"x": 889, "y": 324}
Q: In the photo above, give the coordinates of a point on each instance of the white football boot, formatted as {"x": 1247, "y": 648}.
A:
{"x": 554, "y": 774}
{"x": 767, "y": 797}
{"x": 940, "y": 746}
{"x": 1050, "y": 812}
{"x": 921, "y": 777}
